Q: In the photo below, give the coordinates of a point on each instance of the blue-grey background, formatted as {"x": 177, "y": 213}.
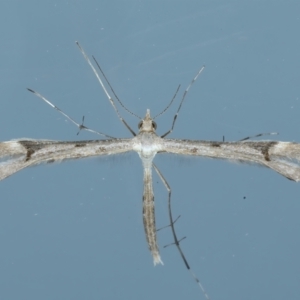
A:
{"x": 74, "y": 230}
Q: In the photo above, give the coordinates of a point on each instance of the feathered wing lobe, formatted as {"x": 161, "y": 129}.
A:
{"x": 285, "y": 159}
{"x": 19, "y": 154}
{"x": 282, "y": 157}
{"x": 12, "y": 158}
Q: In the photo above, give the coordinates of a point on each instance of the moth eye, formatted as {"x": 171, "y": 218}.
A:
{"x": 154, "y": 125}
{"x": 140, "y": 124}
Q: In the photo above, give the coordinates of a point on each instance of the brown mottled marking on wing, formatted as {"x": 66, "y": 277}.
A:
{"x": 80, "y": 145}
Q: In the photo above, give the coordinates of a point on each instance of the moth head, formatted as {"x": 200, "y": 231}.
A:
{"x": 147, "y": 124}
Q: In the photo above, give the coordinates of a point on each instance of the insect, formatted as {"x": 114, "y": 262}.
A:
{"x": 15, "y": 155}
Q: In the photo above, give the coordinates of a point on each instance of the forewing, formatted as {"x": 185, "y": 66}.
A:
{"x": 18, "y": 154}
{"x": 282, "y": 157}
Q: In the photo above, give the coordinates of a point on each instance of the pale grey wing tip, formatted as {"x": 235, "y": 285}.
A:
{"x": 10, "y": 167}
{"x": 157, "y": 260}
